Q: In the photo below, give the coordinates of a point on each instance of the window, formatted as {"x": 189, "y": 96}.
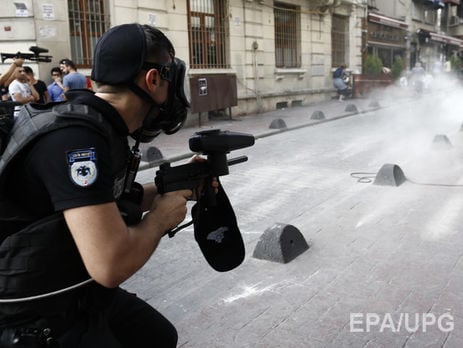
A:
{"x": 207, "y": 34}
{"x": 88, "y": 20}
{"x": 287, "y": 50}
{"x": 430, "y": 16}
{"x": 339, "y": 40}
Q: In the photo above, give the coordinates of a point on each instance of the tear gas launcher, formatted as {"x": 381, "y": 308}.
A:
{"x": 215, "y": 144}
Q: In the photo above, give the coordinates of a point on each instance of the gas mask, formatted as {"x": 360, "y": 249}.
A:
{"x": 170, "y": 116}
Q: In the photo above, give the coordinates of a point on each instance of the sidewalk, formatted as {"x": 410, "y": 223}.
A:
{"x": 175, "y": 147}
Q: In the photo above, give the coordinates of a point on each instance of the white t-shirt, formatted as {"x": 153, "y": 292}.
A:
{"x": 19, "y": 87}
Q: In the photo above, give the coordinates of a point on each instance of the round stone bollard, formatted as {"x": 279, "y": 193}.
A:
{"x": 152, "y": 154}
{"x": 441, "y": 142}
{"x": 351, "y": 108}
{"x": 318, "y": 115}
{"x": 278, "y": 124}
{"x": 280, "y": 243}
{"x": 390, "y": 175}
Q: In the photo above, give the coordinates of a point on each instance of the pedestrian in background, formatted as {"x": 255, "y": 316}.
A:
{"x": 417, "y": 77}
{"x": 338, "y": 81}
{"x": 7, "y": 77}
{"x": 72, "y": 78}
{"x": 56, "y": 88}
{"x": 21, "y": 90}
{"x": 10, "y": 74}
{"x": 39, "y": 86}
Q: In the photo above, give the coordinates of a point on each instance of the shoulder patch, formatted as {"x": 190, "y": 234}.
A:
{"x": 82, "y": 166}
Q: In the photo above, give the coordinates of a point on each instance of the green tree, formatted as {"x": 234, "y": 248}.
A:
{"x": 455, "y": 63}
{"x": 372, "y": 65}
{"x": 397, "y": 67}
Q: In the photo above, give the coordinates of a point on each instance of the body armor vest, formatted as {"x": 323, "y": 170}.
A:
{"x": 38, "y": 257}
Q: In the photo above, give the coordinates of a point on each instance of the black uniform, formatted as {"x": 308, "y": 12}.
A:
{"x": 68, "y": 168}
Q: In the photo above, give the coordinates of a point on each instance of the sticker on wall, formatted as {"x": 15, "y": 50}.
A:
{"x": 47, "y": 31}
{"x": 152, "y": 19}
{"x": 48, "y": 12}
{"x": 21, "y": 9}
{"x": 202, "y": 84}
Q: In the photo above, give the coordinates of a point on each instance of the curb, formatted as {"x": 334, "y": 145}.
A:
{"x": 149, "y": 165}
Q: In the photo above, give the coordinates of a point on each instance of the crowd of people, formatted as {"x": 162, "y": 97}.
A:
{"x": 19, "y": 84}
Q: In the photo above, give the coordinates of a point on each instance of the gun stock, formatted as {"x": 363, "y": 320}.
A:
{"x": 186, "y": 176}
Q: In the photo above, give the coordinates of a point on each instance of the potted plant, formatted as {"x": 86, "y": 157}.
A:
{"x": 397, "y": 68}
{"x": 455, "y": 63}
{"x": 371, "y": 78}
{"x": 372, "y": 65}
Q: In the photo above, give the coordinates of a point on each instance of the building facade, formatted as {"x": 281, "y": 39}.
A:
{"x": 245, "y": 56}
{"x": 426, "y": 31}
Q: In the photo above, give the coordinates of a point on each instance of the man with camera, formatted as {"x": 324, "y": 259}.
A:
{"x": 71, "y": 222}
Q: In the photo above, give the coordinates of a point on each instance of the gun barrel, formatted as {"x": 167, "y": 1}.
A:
{"x": 214, "y": 140}
{"x": 237, "y": 160}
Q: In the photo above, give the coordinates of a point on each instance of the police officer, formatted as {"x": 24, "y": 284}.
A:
{"x": 61, "y": 195}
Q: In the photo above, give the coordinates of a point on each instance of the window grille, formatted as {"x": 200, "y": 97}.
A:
{"x": 339, "y": 40}
{"x": 287, "y": 51}
{"x": 207, "y": 33}
{"x": 88, "y": 20}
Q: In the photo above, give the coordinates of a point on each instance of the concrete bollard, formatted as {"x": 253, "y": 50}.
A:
{"x": 151, "y": 154}
{"x": 389, "y": 175}
{"x": 351, "y": 108}
{"x": 318, "y": 115}
{"x": 280, "y": 243}
{"x": 441, "y": 142}
{"x": 277, "y": 124}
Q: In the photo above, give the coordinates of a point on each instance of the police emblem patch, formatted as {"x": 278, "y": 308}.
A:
{"x": 82, "y": 166}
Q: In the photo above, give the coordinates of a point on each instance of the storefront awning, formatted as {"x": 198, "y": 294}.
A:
{"x": 384, "y": 44}
{"x": 391, "y": 22}
{"x": 450, "y": 40}
{"x": 455, "y": 2}
{"x": 435, "y": 4}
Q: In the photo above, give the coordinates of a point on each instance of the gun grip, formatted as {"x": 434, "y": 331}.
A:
{"x": 209, "y": 193}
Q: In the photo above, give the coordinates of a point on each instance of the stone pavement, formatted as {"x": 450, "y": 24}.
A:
{"x": 379, "y": 257}
{"x": 174, "y": 148}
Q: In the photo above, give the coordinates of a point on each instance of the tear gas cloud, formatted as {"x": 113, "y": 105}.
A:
{"x": 421, "y": 132}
